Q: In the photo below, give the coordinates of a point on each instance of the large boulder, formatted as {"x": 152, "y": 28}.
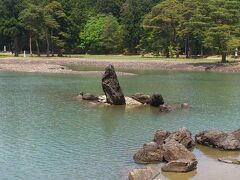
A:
{"x": 173, "y": 150}
{"x": 181, "y": 165}
{"x": 219, "y": 139}
{"x": 183, "y": 136}
{"x": 156, "y": 100}
{"x": 150, "y": 153}
{"x": 143, "y": 174}
{"x": 160, "y": 136}
{"x": 142, "y": 98}
{"x": 111, "y": 87}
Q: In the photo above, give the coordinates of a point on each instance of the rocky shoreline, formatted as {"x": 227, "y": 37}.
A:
{"x": 45, "y": 64}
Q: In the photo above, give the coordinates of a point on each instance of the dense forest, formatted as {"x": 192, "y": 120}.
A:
{"x": 161, "y": 27}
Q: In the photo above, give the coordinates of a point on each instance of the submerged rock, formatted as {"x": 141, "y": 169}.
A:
{"x": 111, "y": 87}
{"x": 180, "y": 165}
{"x": 219, "y": 139}
{"x": 142, "y": 98}
{"x": 230, "y": 160}
{"x": 156, "y": 100}
{"x": 143, "y": 174}
{"x": 166, "y": 108}
{"x": 185, "y": 106}
{"x": 89, "y": 97}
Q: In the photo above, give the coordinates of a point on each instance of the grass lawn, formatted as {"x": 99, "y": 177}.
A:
{"x": 211, "y": 59}
{"x": 3, "y": 55}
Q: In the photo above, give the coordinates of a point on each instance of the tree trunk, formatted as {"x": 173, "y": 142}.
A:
{"x": 30, "y": 45}
{"x": 201, "y": 52}
{"x": 48, "y": 46}
{"x": 224, "y": 57}
{"x": 187, "y": 47}
{"x": 15, "y": 47}
{"x": 38, "y": 51}
{"x": 52, "y": 44}
{"x": 177, "y": 54}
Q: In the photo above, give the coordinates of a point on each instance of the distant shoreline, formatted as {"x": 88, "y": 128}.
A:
{"x": 67, "y": 65}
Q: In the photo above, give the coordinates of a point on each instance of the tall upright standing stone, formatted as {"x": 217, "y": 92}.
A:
{"x": 111, "y": 87}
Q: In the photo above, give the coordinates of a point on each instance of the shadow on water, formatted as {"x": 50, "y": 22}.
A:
{"x": 110, "y": 115}
{"x": 216, "y": 153}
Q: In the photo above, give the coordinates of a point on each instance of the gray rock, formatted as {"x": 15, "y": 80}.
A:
{"x": 111, "y": 87}
{"x": 180, "y": 165}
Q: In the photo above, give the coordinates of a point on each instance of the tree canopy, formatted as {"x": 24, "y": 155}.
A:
{"x": 161, "y": 27}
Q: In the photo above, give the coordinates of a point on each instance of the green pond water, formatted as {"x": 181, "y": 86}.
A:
{"x": 46, "y": 133}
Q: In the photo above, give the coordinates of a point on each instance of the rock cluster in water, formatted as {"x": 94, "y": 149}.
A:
{"x": 219, "y": 139}
{"x": 115, "y": 96}
{"x": 173, "y": 148}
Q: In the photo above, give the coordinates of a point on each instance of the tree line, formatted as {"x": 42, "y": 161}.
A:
{"x": 161, "y": 27}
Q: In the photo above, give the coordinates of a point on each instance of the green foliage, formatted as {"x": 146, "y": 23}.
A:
{"x": 160, "y": 27}
{"x": 102, "y": 34}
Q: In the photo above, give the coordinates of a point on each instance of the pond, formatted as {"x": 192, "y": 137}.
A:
{"x": 46, "y": 133}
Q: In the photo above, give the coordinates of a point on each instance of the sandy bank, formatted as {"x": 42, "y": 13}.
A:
{"x": 59, "y": 65}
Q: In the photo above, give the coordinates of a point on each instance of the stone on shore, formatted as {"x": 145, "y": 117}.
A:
{"x": 111, "y": 87}
{"x": 142, "y": 98}
{"x": 219, "y": 139}
{"x": 181, "y": 165}
{"x": 144, "y": 174}
{"x": 156, "y": 100}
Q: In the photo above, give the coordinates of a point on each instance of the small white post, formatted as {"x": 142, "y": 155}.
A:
{"x": 24, "y": 53}
{"x": 236, "y": 53}
{"x": 4, "y": 48}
